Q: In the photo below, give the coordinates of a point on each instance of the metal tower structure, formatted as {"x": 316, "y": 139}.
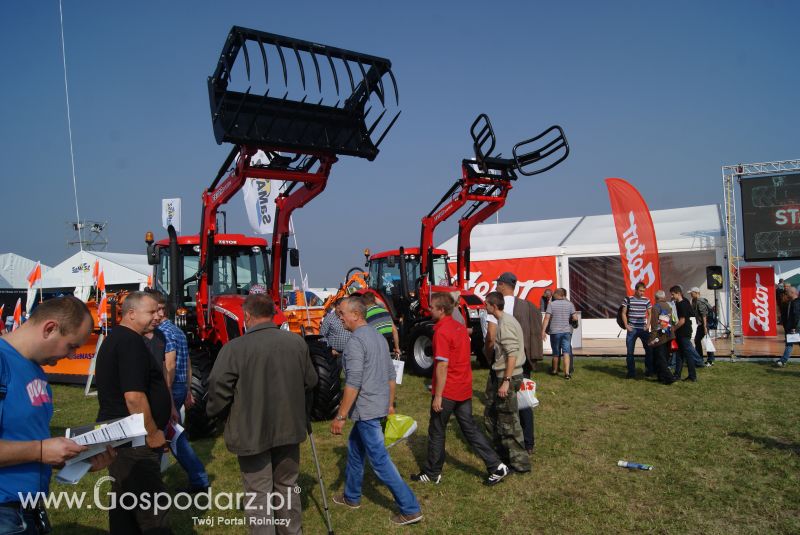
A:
{"x": 731, "y": 177}
{"x": 89, "y": 235}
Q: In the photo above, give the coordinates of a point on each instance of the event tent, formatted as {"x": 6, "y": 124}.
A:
{"x": 120, "y": 269}
{"x": 581, "y": 254}
{"x": 14, "y": 270}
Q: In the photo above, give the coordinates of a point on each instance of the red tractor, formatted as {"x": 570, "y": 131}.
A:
{"x": 405, "y": 278}
{"x": 215, "y": 271}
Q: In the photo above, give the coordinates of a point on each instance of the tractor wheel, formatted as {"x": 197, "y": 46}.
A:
{"x": 419, "y": 355}
{"x": 198, "y": 424}
{"x": 328, "y": 392}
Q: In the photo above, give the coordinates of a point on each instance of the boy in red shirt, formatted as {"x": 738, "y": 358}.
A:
{"x": 452, "y": 394}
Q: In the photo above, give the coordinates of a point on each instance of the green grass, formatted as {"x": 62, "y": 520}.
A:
{"x": 726, "y": 452}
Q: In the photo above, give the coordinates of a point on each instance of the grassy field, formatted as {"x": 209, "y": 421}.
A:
{"x": 726, "y": 452}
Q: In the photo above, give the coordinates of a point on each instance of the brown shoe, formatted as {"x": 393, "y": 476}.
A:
{"x": 341, "y": 500}
{"x": 401, "y": 520}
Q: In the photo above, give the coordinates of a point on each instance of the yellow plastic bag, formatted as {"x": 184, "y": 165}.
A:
{"x": 398, "y": 428}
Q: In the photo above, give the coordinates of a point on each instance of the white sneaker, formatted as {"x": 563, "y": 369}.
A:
{"x": 497, "y": 476}
{"x": 780, "y": 364}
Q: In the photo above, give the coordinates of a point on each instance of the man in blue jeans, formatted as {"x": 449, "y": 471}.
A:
{"x": 683, "y": 334}
{"x": 368, "y": 397}
{"x": 636, "y": 316}
{"x": 178, "y": 375}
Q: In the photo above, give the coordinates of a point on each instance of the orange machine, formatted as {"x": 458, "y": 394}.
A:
{"x": 75, "y": 369}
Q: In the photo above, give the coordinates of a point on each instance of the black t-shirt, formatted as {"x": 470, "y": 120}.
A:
{"x": 157, "y": 345}
{"x": 124, "y": 364}
{"x": 686, "y": 312}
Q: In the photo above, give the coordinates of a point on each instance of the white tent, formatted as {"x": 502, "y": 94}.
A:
{"x": 689, "y": 239}
{"x": 118, "y": 268}
{"x": 14, "y": 270}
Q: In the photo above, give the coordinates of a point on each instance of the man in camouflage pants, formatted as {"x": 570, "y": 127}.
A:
{"x": 501, "y": 416}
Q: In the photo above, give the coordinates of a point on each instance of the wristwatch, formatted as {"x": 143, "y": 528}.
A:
{"x": 507, "y": 379}
{"x": 340, "y": 418}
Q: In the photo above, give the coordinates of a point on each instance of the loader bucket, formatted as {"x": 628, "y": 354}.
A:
{"x": 530, "y": 157}
{"x": 298, "y": 96}
{"x": 541, "y": 153}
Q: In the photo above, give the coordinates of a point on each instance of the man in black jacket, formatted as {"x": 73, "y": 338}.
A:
{"x": 791, "y": 325}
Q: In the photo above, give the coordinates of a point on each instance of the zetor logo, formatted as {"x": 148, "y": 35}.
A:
{"x": 761, "y": 301}
{"x": 634, "y": 251}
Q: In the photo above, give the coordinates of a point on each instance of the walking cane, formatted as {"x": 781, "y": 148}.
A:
{"x": 319, "y": 477}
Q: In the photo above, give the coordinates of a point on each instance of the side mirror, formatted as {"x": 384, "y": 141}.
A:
{"x": 153, "y": 254}
{"x": 294, "y": 257}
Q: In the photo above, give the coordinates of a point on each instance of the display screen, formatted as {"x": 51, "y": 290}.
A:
{"x": 771, "y": 217}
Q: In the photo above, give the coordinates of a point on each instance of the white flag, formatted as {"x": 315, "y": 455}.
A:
{"x": 171, "y": 213}
{"x": 259, "y": 200}
{"x": 30, "y": 300}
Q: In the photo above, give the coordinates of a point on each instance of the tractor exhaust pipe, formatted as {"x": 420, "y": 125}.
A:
{"x": 175, "y": 286}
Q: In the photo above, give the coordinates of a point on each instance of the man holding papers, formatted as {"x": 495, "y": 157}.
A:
{"x": 56, "y": 328}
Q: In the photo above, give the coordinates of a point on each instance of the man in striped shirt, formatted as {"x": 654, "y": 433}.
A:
{"x": 636, "y": 316}
{"x": 380, "y": 319}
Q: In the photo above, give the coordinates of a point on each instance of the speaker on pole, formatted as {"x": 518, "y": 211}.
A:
{"x": 714, "y": 277}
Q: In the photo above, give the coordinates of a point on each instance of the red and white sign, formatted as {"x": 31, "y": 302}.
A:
{"x": 638, "y": 248}
{"x": 534, "y": 275}
{"x": 759, "y": 309}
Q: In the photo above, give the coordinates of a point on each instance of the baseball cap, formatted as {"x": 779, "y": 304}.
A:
{"x": 508, "y": 278}
{"x": 694, "y": 289}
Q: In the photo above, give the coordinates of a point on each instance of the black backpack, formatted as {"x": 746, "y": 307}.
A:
{"x": 711, "y": 319}
{"x": 620, "y": 319}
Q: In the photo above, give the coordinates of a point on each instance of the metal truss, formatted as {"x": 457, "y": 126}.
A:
{"x": 731, "y": 176}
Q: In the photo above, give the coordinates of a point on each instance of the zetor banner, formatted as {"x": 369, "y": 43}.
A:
{"x": 638, "y": 249}
{"x": 533, "y": 276}
{"x": 759, "y": 309}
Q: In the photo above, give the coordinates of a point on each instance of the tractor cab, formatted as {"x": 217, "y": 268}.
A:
{"x": 239, "y": 264}
{"x": 397, "y": 277}
{"x": 400, "y": 281}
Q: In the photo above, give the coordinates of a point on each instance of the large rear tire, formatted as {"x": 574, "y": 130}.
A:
{"x": 197, "y": 422}
{"x": 328, "y": 392}
{"x": 419, "y": 354}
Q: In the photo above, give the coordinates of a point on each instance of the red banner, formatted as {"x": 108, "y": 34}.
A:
{"x": 638, "y": 248}
{"x": 759, "y": 309}
{"x": 534, "y": 275}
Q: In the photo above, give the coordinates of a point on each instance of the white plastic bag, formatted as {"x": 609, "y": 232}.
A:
{"x": 708, "y": 345}
{"x": 399, "y": 365}
{"x": 526, "y": 395}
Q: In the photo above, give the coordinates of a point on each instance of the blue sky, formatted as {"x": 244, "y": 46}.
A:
{"x": 662, "y": 94}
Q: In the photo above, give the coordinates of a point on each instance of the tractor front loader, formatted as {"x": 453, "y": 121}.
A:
{"x": 311, "y": 104}
{"x": 405, "y": 278}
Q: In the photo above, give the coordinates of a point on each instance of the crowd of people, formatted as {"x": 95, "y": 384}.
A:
{"x": 143, "y": 366}
{"x": 665, "y": 331}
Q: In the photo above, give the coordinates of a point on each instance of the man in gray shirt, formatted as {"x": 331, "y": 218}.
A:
{"x": 368, "y": 397}
{"x": 557, "y": 316}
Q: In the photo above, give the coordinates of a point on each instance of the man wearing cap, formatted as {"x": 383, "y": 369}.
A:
{"x": 530, "y": 319}
{"x": 702, "y": 308}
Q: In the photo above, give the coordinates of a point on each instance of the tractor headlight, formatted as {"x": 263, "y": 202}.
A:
{"x": 473, "y": 313}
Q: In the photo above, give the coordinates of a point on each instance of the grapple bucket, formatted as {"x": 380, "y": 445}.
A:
{"x": 312, "y": 98}
{"x": 530, "y": 157}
